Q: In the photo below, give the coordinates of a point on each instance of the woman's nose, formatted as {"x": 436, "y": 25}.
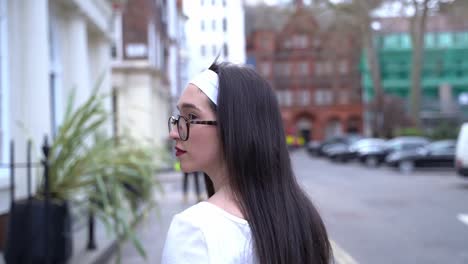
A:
{"x": 173, "y": 134}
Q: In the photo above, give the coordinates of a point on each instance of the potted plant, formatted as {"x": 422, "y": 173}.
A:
{"x": 114, "y": 179}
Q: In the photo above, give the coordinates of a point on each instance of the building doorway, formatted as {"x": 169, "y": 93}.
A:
{"x": 353, "y": 125}
{"x": 304, "y": 129}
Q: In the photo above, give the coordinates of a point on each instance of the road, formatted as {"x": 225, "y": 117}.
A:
{"x": 373, "y": 215}
{"x": 377, "y": 215}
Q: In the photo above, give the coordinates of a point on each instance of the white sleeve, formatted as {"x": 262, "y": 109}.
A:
{"x": 185, "y": 243}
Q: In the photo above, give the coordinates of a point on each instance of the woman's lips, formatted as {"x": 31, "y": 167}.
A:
{"x": 179, "y": 152}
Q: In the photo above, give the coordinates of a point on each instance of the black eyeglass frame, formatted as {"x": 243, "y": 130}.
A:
{"x": 175, "y": 121}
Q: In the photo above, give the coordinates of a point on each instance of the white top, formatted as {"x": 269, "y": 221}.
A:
{"x": 205, "y": 233}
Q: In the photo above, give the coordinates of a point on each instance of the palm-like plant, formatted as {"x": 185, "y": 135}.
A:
{"x": 114, "y": 180}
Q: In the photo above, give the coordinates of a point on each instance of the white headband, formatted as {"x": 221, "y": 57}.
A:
{"x": 208, "y": 82}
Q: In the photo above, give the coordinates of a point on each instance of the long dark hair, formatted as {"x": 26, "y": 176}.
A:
{"x": 286, "y": 228}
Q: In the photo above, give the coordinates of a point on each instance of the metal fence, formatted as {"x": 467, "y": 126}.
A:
{"x": 28, "y": 165}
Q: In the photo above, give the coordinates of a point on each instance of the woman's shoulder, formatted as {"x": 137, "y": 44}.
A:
{"x": 207, "y": 214}
{"x": 199, "y": 233}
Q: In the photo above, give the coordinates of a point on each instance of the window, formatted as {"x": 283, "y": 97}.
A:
{"x": 4, "y": 93}
{"x": 214, "y": 50}
{"x": 284, "y": 97}
{"x": 391, "y": 41}
{"x": 224, "y": 3}
{"x": 278, "y": 68}
{"x": 286, "y": 69}
{"x": 303, "y": 97}
{"x": 225, "y": 50}
{"x": 224, "y": 24}
{"x": 213, "y": 25}
{"x": 287, "y": 98}
{"x": 202, "y": 2}
{"x": 445, "y": 40}
{"x": 461, "y": 39}
{"x": 213, "y": 2}
{"x": 279, "y": 97}
{"x": 318, "y": 68}
{"x": 202, "y": 25}
{"x": 323, "y": 97}
{"x": 328, "y": 67}
{"x": 343, "y": 67}
{"x": 429, "y": 40}
{"x": 203, "y": 50}
{"x": 303, "y": 68}
{"x": 405, "y": 41}
{"x": 299, "y": 41}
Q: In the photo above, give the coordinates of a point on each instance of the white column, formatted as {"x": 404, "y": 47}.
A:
{"x": 28, "y": 44}
{"x": 78, "y": 59}
{"x": 35, "y": 68}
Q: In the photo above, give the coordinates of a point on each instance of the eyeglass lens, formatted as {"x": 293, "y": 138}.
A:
{"x": 182, "y": 127}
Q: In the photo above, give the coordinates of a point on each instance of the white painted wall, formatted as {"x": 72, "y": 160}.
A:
{"x": 143, "y": 95}
{"x": 29, "y": 64}
{"x": 143, "y": 101}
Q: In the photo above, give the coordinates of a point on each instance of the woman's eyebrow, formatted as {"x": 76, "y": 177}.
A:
{"x": 188, "y": 105}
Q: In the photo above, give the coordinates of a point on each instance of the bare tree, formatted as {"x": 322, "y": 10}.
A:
{"x": 417, "y": 30}
{"x": 358, "y": 13}
{"x": 420, "y": 10}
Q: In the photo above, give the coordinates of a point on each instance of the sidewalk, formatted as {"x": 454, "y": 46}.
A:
{"x": 152, "y": 231}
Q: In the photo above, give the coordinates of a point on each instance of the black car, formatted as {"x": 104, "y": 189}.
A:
{"x": 437, "y": 154}
{"x": 375, "y": 155}
{"x": 331, "y": 151}
{"x": 317, "y": 148}
{"x": 345, "y": 153}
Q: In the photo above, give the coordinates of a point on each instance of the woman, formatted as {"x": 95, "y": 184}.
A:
{"x": 230, "y": 127}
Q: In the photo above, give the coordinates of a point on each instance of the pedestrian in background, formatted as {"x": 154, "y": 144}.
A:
{"x": 185, "y": 186}
{"x": 230, "y": 128}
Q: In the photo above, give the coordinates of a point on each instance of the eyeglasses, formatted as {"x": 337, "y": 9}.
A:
{"x": 183, "y": 125}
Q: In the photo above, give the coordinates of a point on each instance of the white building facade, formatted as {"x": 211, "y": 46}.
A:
{"x": 214, "y": 27}
{"x": 47, "y": 49}
{"x": 141, "y": 75}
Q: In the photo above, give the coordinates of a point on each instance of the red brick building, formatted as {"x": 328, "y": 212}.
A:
{"x": 314, "y": 70}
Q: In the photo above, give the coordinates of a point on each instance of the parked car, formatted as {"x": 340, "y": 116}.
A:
{"x": 437, "y": 154}
{"x": 461, "y": 153}
{"x": 332, "y": 150}
{"x": 317, "y": 148}
{"x": 312, "y": 147}
{"x": 350, "y": 152}
{"x": 375, "y": 155}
